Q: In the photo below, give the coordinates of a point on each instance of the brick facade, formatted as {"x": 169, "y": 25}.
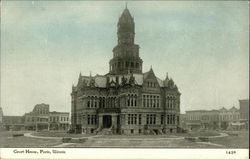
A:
{"x": 125, "y": 100}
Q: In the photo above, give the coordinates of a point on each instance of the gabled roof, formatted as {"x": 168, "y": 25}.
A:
{"x": 145, "y": 75}
{"x": 101, "y": 80}
{"x": 151, "y": 73}
{"x": 160, "y": 82}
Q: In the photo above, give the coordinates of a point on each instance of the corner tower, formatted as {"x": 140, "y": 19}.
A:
{"x": 126, "y": 53}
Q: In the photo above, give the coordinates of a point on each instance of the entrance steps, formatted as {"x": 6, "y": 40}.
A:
{"x": 105, "y": 131}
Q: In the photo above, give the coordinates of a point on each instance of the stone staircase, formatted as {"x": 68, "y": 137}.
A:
{"x": 105, "y": 131}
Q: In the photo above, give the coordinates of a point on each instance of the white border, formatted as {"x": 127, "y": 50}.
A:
{"x": 126, "y": 153}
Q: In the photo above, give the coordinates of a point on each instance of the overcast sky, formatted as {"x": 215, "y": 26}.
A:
{"x": 45, "y": 45}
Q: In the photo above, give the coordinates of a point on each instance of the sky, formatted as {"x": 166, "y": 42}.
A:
{"x": 203, "y": 46}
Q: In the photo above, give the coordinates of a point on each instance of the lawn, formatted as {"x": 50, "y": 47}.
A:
{"x": 173, "y": 135}
{"x": 58, "y": 134}
{"x": 131, "y": 143}
{"x": 8, "y": 141}
{"x": 240, "y": 141}
{"x": 197, "y": 134}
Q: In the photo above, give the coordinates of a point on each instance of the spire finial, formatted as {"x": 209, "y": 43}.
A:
{"x": 90, "y": 74}
{"x": 126, "y": 4}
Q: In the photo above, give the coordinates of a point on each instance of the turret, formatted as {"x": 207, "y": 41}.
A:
{"x": 126, "y": 28}
{"x": 125, "y": 54}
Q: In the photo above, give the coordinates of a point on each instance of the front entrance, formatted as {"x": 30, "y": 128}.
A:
{"x": 107, "y": 121}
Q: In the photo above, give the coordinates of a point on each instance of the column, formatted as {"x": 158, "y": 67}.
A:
{"x": 100, "y": 121}
{"x": 114, "y": 123}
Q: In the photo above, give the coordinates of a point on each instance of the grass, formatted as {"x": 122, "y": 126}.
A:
{"x": 64, "y": 134}
{"x": 7, "y": 141}
{"x": 132, "y": 141}
{"x": 142, "y": 144}
{"x": 58, "y": 134}
{"x": 197, "y": 134}
{"x": 240, "y": 141}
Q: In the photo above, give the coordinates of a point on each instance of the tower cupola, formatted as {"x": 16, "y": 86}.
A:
{"x": 126, "y": 53}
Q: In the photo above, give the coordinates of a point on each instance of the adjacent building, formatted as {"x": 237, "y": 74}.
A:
{"x": 244, "y": 112}
{"x": 1, "y": 117}
{"x": 13, "y": 123}
{"x": 229, "y": 117}
{"x": 59, "y": 121}
{"x": 202, "y": 119}
{"x": 213, "y": 119}
{"x": 40, "y": 118}
{"x": 125, "y": 100}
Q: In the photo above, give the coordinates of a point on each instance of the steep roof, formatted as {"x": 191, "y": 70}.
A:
{"x": 126, "y": 16}
{"x": 100, "y": 81}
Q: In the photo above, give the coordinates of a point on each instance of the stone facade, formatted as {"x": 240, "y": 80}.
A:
{"x": 125, "y": 100}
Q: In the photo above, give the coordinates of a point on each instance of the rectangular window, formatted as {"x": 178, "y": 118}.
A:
{"x": 151, "y": 101}
{"x": 151, "y": 119}
{"x": 132, "y": 131}
{"x": 92, "y": 119}
{"x": 154, "y": 119}
{"x": 162, "y": 119}
{"x": 158, "y": 102}
{"x": 127, "y": 63}
{"x": 144, "y": 101}
{"x": 168, "y": 121}
{"x": 173, "y": 119}
{"x": 139, "y": 119}
{"x": 135, "y": 119}
{"x": 139, "y": 131}
{"x": 147, "y": 118}
{"x": 128, "y": 118}
{"x": 88, "y": 104}
{"x": 88, "y": 119}
{"x": 154, "y": 102}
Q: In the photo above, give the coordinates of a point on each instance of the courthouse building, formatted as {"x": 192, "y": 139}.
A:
{"x": 125, "y": 100}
